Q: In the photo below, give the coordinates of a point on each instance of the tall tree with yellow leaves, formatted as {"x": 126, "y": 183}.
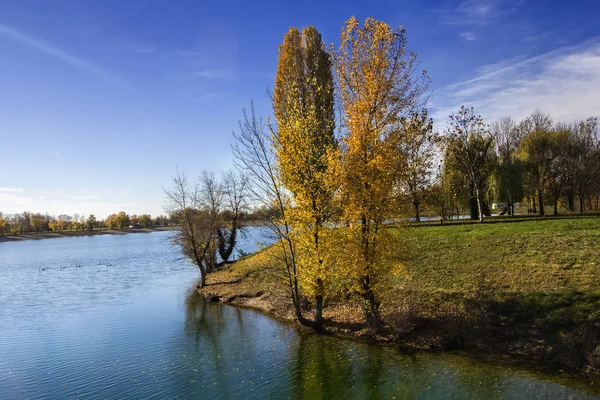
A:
{"x": 379, "y": 84}
{"x": 306, "y": 153}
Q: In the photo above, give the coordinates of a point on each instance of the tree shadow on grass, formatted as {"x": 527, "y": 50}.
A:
{"x": 560, "y": 328}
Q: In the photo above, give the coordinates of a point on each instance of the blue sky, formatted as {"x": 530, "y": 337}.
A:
{"x": 101, "y": 100}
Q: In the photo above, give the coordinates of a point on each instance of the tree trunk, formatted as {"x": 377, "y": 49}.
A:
{"x": 571, "y": 202}
{"x": 417, "y": 216}
{"x": 512, "y": 205}
{"x": 541, "y": 201}
{"x": 202, "y": 279}
{"x": 319, "y": 304}
{"x": 295, "y": 292}
{"x": 479, "y": 204}
{"x": 555, "y": 206}
{"x": 371, "y": 311}
{"x": 370, "y": 305}
{"x": 581, "y": 204}
{"x": 534, "y": 209}
{"x": 473, "y": 208}
{"x": 298, "y": 308}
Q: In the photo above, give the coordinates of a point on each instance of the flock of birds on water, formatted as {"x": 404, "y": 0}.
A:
{"x": 77, "y": 266}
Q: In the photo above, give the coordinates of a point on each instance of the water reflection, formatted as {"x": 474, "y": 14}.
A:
{"x": 255, "y": 356}
{"x": 236, "y": 352}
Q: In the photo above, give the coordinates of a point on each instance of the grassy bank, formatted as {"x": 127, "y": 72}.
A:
{"x": 529, "y": 287}
{"x": 54, "y": 235}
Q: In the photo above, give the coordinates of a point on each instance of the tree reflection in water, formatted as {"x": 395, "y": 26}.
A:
{"x": 238, "y": 353}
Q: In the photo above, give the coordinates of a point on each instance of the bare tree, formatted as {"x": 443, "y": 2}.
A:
{"x": 254, "y": 155}
{"x": 195, "y": 237}
{"x": 208, "y": 211}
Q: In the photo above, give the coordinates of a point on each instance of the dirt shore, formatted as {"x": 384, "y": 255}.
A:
{"x": 344, "y": 319}
{"x": 55, "y": 235}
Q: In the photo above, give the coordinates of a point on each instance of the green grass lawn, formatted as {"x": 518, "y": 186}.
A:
{"x": 530, "y": 284}
{"x": 543, "y": 268}
{"x": 538, "y": 255}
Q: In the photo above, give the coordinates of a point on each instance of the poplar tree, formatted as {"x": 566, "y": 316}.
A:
{"x": 306, "y": 153}
{"x": 379, "y": 84}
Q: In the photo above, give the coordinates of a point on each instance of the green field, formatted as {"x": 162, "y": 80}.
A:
{"x": 523, "y": 285}
{"x": 519, "y": 255}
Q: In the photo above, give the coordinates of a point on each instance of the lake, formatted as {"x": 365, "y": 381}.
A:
{"x": 137, "y": 329}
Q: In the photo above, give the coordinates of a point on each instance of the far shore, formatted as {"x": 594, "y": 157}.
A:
{"x": 55, "y": 235}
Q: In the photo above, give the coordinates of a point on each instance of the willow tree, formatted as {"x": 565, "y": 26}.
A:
{"x": 588, "y": 158}
{"x": 417, "y": 147}
{"x": 195, "y": 236}
{"x": 509, "y": 171}
{"x": 306, "y": 152}
{"x": 208, "y": 212}
{"x": 468, "y": 146}
{"x": 379, "y": 84}
{"x": 538, "y": 152}
{"x": 534, "y": 129}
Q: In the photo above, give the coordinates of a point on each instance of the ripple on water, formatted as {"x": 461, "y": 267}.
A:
{"x": 136, "y": 330}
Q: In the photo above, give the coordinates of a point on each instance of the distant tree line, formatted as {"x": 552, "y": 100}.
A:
{"x": 28, "y": 222}
{"x": 533, "y": 163}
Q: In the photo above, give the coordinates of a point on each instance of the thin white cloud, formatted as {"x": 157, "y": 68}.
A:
{"x": 476, "y": 14}
{"x": 10, "y": 189}
{"x": 564, "y": 82}
{"x": 58, "y": 155}
{"x": 476, "y": 11}
{"x": 183, "y": 53}
{"x": 214, "y": 74}
{"x": 480, "y": 12}
{"x": 57, "y": 53}
{"x": 469, "y": 35}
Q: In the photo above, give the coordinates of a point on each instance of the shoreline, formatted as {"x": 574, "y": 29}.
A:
{"x": 526, "y": 290}
{"x": 557, "y": 373}
{"x": 66, "y": 234}
{"x": 281, "y": 309}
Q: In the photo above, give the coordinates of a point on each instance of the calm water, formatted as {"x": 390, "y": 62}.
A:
{"x": 136, "y": 330}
